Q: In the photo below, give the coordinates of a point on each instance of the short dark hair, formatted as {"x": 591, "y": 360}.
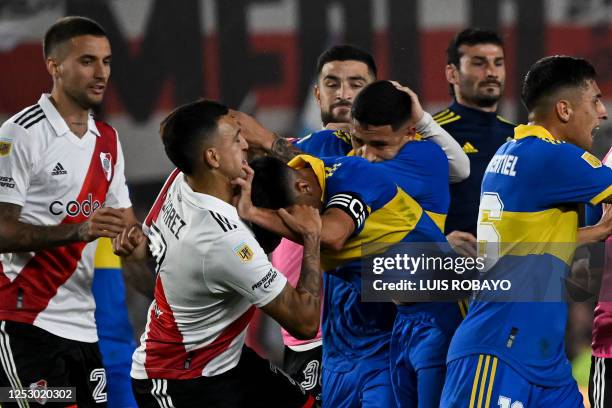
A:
{"x": 271, "y": 188}
{"x": 551, "y": 74}
{"x": 381, "y": 103}
{"x": 470, "y": 36}
{"x": 346, "y": 52}
{"x": 185, "y": 129}
{"x": 69, "y": 27}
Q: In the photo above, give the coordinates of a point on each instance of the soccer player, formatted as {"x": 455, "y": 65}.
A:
{"x": 476, "y": 72}
{"x": 116, "y": 337}
{"x": 512, "y": 353}
{"x": 360, "y": 205}
{"x": 62, "y": 186}
{"x": 211, "y": 274}
{"x": 600, "y": 391}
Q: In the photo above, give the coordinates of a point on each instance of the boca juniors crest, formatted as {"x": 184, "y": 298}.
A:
{"x": 107, "y": 165}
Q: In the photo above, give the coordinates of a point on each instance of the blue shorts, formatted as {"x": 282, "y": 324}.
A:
{"x": 485, "y": 381}
{"x": 419, "y": 343}
{"x": 365, "y": 385}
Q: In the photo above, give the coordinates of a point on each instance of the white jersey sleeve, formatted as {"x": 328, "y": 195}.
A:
{"x": 118, "y": 195}
{"x": 237, "y": 262}
{"x": 16, "y": 162}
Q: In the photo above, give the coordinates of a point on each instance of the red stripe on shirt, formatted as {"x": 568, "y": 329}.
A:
{"x": 37, "y": 283}
{"x": 166, "y": 356}
{"x": 161, "y": 197}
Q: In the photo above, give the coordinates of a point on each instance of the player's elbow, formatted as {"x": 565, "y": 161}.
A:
{"x": 309, "y": 327}
{"x": 460, "y": 170}
{"x": 333, "y": 243}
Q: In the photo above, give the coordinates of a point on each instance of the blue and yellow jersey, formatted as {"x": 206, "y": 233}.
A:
{"x": 420, "y": 168}
{"x": 528, "y": 216}
{"x": 109, "y": 292}
{"x": 480, "y": 134}
{"x": 325, "y": 143}
{"x": 382, "y": 213}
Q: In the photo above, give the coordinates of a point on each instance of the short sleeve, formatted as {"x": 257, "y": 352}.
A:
{"x": 357, "y": 187}
{"x": 237, "y": 262}
{"x": 16, "y": 162}
{"x": 576, "y": 176}
{"x": 118, "y": 195}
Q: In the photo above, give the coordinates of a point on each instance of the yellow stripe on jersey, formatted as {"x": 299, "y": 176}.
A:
{"x": 387, "y": 225}
{"x": 440, "y": 114}
{"x": 462, "y": 309}
{"x": 602, "y": 196}
{"x": 105, "y": 258}
{"x": 502, "y": 119}
{"x": 483, "y": 381}
{"x": 447, "y": 121}
{"x": 317, "y": 165}
{"x": 449, "y": 115}
{"x": 476, "y": 380}
{"x": 536, "y": 233}
{"x": 491, "y": 380}
{"x": 438, "y": 219}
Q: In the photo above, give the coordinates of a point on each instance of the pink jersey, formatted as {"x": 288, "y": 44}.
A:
{"x": 602, "y": 321}
{"x": 287, "y": 258}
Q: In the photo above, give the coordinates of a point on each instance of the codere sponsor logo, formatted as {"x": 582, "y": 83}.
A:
{"x": 74, "y": 208}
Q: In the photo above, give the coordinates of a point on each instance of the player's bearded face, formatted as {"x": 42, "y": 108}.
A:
{"x": 83, "y": 73}
{"x": 338, "y": 85}
{"x": 481, "y": 75}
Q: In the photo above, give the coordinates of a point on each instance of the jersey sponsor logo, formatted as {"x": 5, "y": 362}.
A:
{"x": 58, "y": 170}
{"x": 106, "y": 159}
{"x": 267, "y": 280}
{"x": 5, "y": 148}
{"x": 244, "y": 252}
{"x": 469, "y": 148}
{"x": 74, "y": 208}
{"x": 7, "y": 182}
{"x": 352, "y": 205}
{"x": 592, "y": 160}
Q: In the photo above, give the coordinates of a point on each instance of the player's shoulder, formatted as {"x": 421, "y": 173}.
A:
{"x": 446, "y": 116}
{"x": 105, "y": 128}
{"x": 25, "y": 122}
{"x": 505, "y": 123}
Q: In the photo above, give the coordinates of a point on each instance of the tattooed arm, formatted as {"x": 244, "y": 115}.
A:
{"x": 18, "y": 236}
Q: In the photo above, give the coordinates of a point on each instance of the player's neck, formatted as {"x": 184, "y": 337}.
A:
{"x": 555, "y": 128}
{"x": 211, "y": 184}
{"x": 469, "y": 104}
{"x": 73, "y": 114}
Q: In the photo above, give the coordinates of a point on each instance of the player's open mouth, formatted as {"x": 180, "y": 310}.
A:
{"x": 594, "y": 131}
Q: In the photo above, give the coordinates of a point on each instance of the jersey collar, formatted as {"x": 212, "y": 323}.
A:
{"x": 57, "y": 122}
{"x": 317, "y": 165}
{"x": 206, "y": 201}
{"x": 523, "y": 131}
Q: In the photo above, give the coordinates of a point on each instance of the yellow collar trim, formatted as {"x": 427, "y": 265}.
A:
{"x": 523, "y": 131}
{"x": 317, "y": 165}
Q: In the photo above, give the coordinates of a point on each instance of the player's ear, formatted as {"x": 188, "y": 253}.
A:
{"x": 563, "y": 110}
{"x": 211, "y": 158}
{"x": 452, "y": 74}
{"x": 317, "y": 94}
{"x": 302, "y": 186}
{"x": 53, "y": 67}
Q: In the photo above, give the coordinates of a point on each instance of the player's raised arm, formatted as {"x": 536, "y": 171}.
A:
{"x": 298, "y": 310}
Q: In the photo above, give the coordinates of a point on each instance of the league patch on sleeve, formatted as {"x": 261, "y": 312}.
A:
{"x": 5, "y": 147}
{"x": 244, "y": 252}
{"x": 592, "y": 160}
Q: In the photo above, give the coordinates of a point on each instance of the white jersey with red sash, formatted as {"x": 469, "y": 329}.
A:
{"x": 211, "y": 272}
{"x": 57, "y": 178}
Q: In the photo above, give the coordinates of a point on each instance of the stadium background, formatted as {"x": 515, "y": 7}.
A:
{"x": 259, "y": 56}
